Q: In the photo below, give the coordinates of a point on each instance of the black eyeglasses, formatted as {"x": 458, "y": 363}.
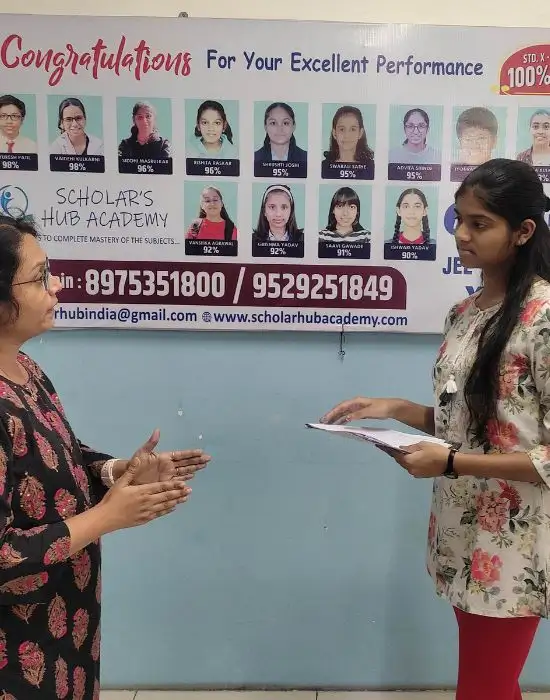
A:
{"x": 44, "y": 277}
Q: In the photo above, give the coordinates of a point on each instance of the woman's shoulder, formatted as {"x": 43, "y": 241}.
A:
{"x": 33, "y": 368}
{"x": 94, "y": 140}
{"x": 58, "y": 144}
{"x": 525, "y": 156}
{"x": 536, "y": 309}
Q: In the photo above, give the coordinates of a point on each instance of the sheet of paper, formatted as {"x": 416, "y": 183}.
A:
{"x": 385, "y": 437}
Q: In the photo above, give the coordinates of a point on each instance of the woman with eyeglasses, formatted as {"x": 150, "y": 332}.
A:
{"x": 73, "y": 139}
{"x": 58, "y": 498}
{"x": 415, "y": 148}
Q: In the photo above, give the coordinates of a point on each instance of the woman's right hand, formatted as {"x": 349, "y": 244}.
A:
{"x": 361, "y": 408}
{"x": 127, "y": 505}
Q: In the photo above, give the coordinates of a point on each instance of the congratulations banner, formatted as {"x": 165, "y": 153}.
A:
{"x": 259, "y": 175}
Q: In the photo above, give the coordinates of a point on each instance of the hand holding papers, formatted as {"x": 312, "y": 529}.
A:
{"x": 384, "y": 438}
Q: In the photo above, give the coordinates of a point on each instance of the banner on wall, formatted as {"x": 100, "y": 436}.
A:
{"x": 259, "y": 175}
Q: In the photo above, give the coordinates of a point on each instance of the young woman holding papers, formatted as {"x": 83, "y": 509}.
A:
{"x": 489, "y": 529}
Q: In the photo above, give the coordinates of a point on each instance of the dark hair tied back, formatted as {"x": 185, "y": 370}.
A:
{"x": 12, "y": 232}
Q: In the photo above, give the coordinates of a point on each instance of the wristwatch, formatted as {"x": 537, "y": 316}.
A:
{"x": 450, "y": 472}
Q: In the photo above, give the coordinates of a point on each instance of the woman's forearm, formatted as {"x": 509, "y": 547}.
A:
{"x": 414, "y": 415}
{"x": 88, "y": 527}
{"x": 514, "y": 466}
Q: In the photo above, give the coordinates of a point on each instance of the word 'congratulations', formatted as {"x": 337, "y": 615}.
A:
{"x": 297, "y": 62}
{"x": 139, "y": 59}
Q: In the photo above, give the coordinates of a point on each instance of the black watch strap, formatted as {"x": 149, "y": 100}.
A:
{"x": 450, "y": 472}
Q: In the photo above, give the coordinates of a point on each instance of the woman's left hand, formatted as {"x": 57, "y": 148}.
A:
{"x": 181, "y": 463}
{"x": 424, "y": 460}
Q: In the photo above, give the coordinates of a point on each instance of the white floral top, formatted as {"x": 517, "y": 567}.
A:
{"x": 489, "y": 539}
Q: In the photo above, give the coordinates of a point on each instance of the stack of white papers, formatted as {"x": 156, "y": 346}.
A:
{"x": 383, "y": 437}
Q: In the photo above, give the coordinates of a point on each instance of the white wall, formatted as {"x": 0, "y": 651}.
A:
{"x": 510, "y": 13}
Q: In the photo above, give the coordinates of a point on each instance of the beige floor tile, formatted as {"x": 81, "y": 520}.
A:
{"x": 427, "y": 695}
{"x": 290, "y": 695}
{"x": 117, "y": 695}
{"x": 225, "y": 695}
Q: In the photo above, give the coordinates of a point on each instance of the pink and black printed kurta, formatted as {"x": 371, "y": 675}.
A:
{"x": 49, "y": 601}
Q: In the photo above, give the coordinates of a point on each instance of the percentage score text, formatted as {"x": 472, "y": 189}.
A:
{"x": 528, "y": 76}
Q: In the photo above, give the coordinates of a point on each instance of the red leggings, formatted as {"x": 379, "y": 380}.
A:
{"x": 492, "y": 653}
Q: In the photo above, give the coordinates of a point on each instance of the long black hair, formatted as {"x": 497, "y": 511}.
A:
{"x": 513, "y": 191}
{"x": 215, "y": 107}
{"x": 343, "y": 196}
{"x": 288, "y": 109}
{"x": 261, "y": 232}
{"x": 363, "y": 152}
{"x": 229, "y": 226}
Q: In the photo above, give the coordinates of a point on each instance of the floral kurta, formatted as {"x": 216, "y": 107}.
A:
{"x": 489, "y": 539}
{"x": 49, "y": 601}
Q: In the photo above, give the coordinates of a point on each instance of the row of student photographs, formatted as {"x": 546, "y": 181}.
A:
{"x": 344, "y": 229}
{"x": 212, "y": 141}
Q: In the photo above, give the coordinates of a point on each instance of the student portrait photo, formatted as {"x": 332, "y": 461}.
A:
{"x": 145, "y": 132}
{"x": 74, "y": 136}
{"x": 415, "y": 140}
{"x": 479, "y": 136}
{"x": 280, "y": 132}
{"x": 534, "y": 136}
{"x": 212, "y": 129}
{"x": 279, "y": 216}
{"x": 350, "y": 132}
{"x": 18, "y": 130}
{"x": 410, "y": 215}
{"x": 344, "y": 221}
{"x": 212, "y": 133}
{"x": 211, "y": 210}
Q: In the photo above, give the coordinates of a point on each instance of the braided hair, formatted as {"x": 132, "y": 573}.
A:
{"x": 425, "y": 221}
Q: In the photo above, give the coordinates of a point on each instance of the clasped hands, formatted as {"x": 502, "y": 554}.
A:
{"x": 154, "y": 466}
